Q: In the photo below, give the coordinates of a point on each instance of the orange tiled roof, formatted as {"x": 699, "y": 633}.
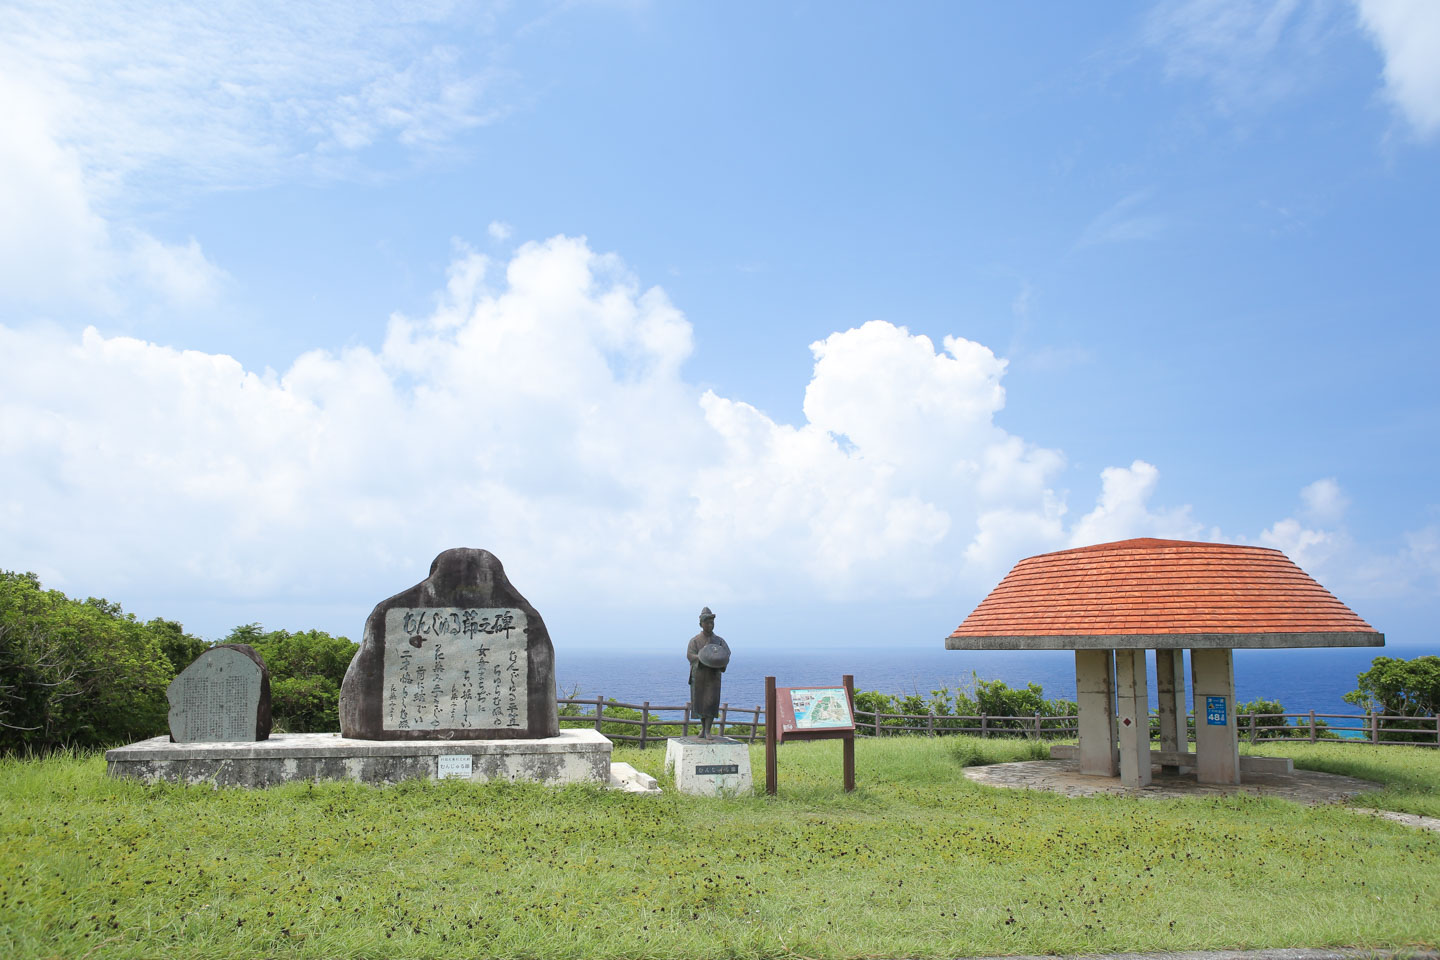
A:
{"x": 1163, "y": 590}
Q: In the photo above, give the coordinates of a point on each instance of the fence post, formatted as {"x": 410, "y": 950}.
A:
{"x": 644, "y": 723}
{"x": 877, "y": 722}
{"x": 756, "y": 724}
{"x": 1037, "y": 725}
{"x": 1312, "y": 726}
{"x": 930, "y": 725}
{"x": 1437, "y": 729}
{"x": 1252, "y": 729}
{"x": 685, "y": 724}
{"x": 724, "y": 708}
{"x": 984, "y": 726}
{"x": 1374, "y": 728}
{"x": 599, "y": 709}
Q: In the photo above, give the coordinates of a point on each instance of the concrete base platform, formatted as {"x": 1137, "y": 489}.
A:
{"x": 1064, "y": 776}
{"x": 575, "y": 756}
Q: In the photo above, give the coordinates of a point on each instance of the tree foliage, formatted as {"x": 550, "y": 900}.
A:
{"x": 85, "y": 673}
{"x": 1005, "y": 707}
{"x": 306, "y": 669}
{"x": 1401, "y": 688}
{"x": 179, "y": 647}
{"x": 78, "y": 673}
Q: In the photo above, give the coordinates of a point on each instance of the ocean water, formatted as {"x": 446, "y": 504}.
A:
{"x": 1301, "y": 679}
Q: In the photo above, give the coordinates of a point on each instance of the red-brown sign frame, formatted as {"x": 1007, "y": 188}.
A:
{"x": 775, "y": 713}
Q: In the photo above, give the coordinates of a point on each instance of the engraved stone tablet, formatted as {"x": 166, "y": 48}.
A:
{"x": 454, "y": 667}
{"x": 461, "y": 655}
{"x": 224, "y": 695}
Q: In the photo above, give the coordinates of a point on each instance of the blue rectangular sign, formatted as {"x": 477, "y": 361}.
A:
{"x": 1215, "y": 711}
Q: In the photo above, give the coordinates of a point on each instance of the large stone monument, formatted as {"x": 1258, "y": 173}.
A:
{"x": 455, "y": 678}
{"x": 460, "y": 655}
{"x": 222, "y": 697}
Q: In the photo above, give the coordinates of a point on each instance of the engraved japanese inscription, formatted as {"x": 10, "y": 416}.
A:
{"x": 216, "y": 708}
{"x": 455, "y": 668}
{"x": 223, "y": 695}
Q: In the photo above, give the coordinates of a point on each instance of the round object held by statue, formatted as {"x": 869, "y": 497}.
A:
{"x": 715, "y": 655}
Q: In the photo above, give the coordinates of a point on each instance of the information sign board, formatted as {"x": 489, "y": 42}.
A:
{"x": 809, "y": 713}
{"x": 1215, "y": 711}
{"x": 813, "y": 712}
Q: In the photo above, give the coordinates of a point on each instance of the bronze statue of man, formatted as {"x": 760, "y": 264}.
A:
{"x": 709, "y": 655}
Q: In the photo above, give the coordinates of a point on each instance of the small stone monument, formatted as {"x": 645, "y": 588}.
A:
{"x": 460, "y": 655}
{"x": 223, "y": 696}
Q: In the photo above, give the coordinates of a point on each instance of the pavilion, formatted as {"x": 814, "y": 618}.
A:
{"x": 1113, "y": 601}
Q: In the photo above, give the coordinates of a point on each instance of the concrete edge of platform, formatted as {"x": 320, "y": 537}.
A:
{"x": 295, "y": 745}
{"x": 576, "y": 756}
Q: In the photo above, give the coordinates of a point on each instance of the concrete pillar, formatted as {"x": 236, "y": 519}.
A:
{"x": 1133, "y": 717}
{"x": 1095, "y": 693}
{"x": 1170, "y": 686}
{"x": 1217, "y": 747}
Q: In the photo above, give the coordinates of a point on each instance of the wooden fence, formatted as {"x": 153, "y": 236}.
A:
{"x": 658, "y": 722}
{"x": 655, "y": 723}
{"x": 1364, "y": 728}
{"x": 1036, "y": 727}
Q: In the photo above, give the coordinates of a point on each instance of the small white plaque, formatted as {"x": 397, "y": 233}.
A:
{"x": 457, "y": 765}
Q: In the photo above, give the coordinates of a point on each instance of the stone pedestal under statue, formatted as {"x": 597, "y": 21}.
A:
{"x": 709, "y": 767}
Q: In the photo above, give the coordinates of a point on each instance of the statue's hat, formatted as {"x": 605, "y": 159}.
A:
{"x": 705, "y": 614}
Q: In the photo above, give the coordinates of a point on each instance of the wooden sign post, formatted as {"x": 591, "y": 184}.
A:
{"x": 809, "y": 713}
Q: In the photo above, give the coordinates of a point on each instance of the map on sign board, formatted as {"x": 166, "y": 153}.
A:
{"x": 820, "y": 708}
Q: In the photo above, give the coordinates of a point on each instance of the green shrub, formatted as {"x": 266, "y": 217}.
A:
{"x": 1005, "y": 707}
{"x": 1279, "y": 726}
{"x": 306, "y": 670}
{"x": 78, "y": 673}
{"x": 304, "y": 704}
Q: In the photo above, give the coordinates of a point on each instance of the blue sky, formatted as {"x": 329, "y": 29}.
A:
{"x": 820, "y": 314}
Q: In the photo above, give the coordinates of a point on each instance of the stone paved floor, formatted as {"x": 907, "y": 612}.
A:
{"x": 1063, "y": 776}
{"x": 1302, "y": 786}
{"x": 1304, "y": 953}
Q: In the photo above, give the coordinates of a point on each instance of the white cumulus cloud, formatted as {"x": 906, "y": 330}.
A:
{"x": 541, "y": 410}
{"x": 1407, "y": 32}
{"x": 1123, "y": 510}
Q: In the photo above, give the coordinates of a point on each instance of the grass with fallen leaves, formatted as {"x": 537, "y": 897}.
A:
{"x": 917, "y": 862}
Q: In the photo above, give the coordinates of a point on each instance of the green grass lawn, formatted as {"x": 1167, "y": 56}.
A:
{"x": 918, "y": 862}
{"x": 1411, "y": 775}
